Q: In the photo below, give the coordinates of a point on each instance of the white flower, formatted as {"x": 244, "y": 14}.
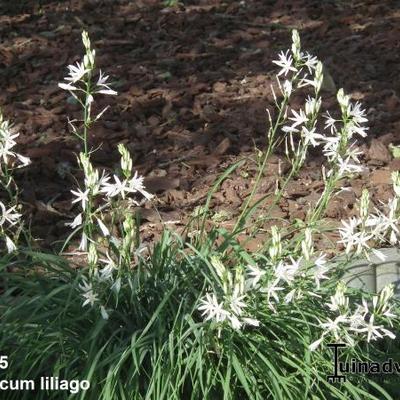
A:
{"x": 371, "y": 330}
{"x": 236, "y": 302}
{"x": 76, "y": 222}
{"x": 10, "y": 245}
{"x": 81, "y": 197}
{"x": 255, "y": 274}
{"x": 316, "y": 82}
{"x": 88, "y": 293}
{"x": 287, "y": 272}
{"x": 299, "y": 118}
{"x": 106, "y": 273}
{"x": 8, "y": 215}
{"x": 103, "y": 87}
{"x": 358, "y": 115}
{"x": 360, "y": 240}
{"x": 76, "y": 72}
{"x": 353, "y": 152}
{"x": 353, "y": 128}
{"x": 339, "y": 302}
{"x": 89, "y": 100}
{"x": 271, "y": 289}
{"x": 289, "y": 129}
{"x": 320, "y": 270}
{"x": 385, "y": 295}
{"x": 310, "y": 136}
{"x": 333, "y": 326}
{"x": 133, "y": 185}
{"x": 351, "y": 238}
{"x": 211, "y": 309}
{"x": 388, "y": 314}
{"x": 342, "y": 99}
{"x": 24, "y": 160}
{"x": 331, "y": 147}
{"x": 346, "y": 167}
{"x": 136, "y": 184}
{"x": 388, "y": 333}
{"x": 234, "y": 320}
{"x": 114, "y": 189}
{"x": 348, "y": 229}
{"x": 330, "y": 123}
{"x": 7, "y": 142}
{"x": 385, "y": 225}
{"x": 310, "y": 61}
{"x": 285, "y": 62}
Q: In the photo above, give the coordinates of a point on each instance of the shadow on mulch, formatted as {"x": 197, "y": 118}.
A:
{"x": 194, "y": 83}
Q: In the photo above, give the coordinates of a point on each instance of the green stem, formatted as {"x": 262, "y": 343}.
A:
{"x": 271, "y": 146}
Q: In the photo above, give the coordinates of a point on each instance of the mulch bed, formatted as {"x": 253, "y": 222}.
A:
{"x": 193, "y": 83}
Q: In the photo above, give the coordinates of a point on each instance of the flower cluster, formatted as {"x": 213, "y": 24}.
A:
{"x": 98, "y": 184}
{"x": 79, "y": 74}
{"x": 9, "y": 160}
{"x": 232, "y": 307}
{"x": 95, "y": 291}
{"x": 361, "y": 322}
{"x": 290, "y": 270}
{"x": 106, "y": 201}
{"x": 8, "y": 219}
{"x": 7, "y": 142}
{"x": 272, "y": 281}
{"x": 105, "y": 273}
{"x": 361, "y": 234}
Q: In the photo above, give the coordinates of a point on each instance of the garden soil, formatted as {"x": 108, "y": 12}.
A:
{"x": 193, "y": 84}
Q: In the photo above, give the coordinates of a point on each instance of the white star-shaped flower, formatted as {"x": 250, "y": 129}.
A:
{"x": 285, "y": 62}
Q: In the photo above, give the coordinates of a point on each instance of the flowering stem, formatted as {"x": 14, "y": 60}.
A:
{"x": 271, "y": 146}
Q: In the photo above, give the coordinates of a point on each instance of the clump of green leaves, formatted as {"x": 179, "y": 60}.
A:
{"x": 197, "y": 315}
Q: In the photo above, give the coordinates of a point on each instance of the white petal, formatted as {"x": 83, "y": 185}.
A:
{"x": 313, "y": 346}
{"x": 104, "y": 313}
{"x": 10, "y": 245}
{"x": 103, "y": 228}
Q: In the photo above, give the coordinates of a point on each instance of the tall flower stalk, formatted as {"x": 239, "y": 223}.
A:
{"x": 109, "y": 232}
{"x": 289, "y": 269}
{"x": 299, "y": 70}
{"x": 10, "y": 216}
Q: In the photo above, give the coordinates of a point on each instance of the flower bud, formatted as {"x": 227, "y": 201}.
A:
{"x": 218, "y": 266}
{"x": 296, "y": 46}
{"x": 319, "y": 76}
{"x": 386, "y": 294}
{"x": 343, "y": 101}
{"x": 126, "y": 161}
{"x": 275, "y": 249}
{"x": 364, "y": 204}
{"x": 92, "y": 255}
{"x": 307, "y": 244}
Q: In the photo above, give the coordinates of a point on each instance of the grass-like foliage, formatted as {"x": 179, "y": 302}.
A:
{"x": 197, "y": 316}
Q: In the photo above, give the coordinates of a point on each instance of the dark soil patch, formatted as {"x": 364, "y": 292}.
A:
{"x": 193, "y": 85}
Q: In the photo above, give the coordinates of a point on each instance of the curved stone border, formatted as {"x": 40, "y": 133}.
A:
{"x": 375, "y": 274}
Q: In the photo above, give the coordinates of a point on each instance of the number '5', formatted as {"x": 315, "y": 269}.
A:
{"x": 3, "y": 362}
